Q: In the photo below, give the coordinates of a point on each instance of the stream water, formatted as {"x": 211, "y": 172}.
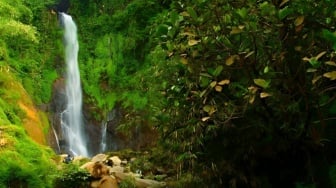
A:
{"x": 71, "y": 118}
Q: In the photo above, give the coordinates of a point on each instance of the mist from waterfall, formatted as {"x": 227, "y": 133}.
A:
{"x": 71, "y": 118}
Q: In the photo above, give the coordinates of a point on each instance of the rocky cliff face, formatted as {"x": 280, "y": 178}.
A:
{"x": 141, "y": 137}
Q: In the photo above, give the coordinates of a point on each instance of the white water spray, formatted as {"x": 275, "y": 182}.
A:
{"x": 72, "y": 120}
{"x": 103, "y": 137}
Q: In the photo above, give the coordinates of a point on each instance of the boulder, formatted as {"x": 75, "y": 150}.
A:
{"x": 117, "y": 169}
{"x": 105, "y": 182}
{"x": 116, "y": 160}
{"x": 96, "y": 169}
{"x": 99, "y": 158}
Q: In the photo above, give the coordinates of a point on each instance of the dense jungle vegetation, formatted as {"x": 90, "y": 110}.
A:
{"x": 241, "y": 93}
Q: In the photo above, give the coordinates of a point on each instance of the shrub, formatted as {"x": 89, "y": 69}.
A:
{"x": 72, "y": 176}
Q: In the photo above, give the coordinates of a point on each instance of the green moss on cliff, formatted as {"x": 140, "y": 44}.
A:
{"x": 24, "y": 162}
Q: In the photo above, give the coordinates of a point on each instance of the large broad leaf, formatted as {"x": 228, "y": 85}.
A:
{"x": 331, "y": 63}
{"x": 193, "y": 42}
{"x": 283, "y": 13}
{"x": 217, "y": 71}
{"x": 236, "y": 30}
{"x": 262, "y": 83}
{"x": 242, "y": 12}
{"x": 230, "y": 60}
{"x": 213, "y": 84}
{"x": 299, "y": 20}
{"x": 331, "y": 75}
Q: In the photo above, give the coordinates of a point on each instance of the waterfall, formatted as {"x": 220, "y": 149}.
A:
{"x": 71, "y": 118}
{"x": 103, "y": 137}
{"x": 56, "y": 138}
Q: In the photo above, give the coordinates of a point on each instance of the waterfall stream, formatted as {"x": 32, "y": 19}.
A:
{"x": 71, "y": 118}
{"x": 103, "y": 137}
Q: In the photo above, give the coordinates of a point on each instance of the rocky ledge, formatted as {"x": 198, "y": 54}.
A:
{"x": 110, "y": 171}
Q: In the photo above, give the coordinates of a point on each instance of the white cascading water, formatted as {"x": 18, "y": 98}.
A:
{"x": 103, "y": 137}
{"x": 71, "y": 118}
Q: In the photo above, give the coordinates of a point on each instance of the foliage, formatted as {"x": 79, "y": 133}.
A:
{"x": 252, "y": 91}
{"x": 242, "y": 92}
{"x": 332, "y": 175}
{"x": 72, "y": 176}
{"x": 114, "y": 66}
{"x": 24, "y": 162}
{"x": 128, "y": 182}
{"x": 235, "y": 88}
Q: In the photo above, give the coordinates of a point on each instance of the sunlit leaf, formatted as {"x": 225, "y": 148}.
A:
{"x": 193, "y": 42}
{"x": 262, "y": 83}
{"x": 332, "y": 63}
{"x": 331, "y": 75}
{"x": 299, "y": 20}
{"x": 306, "y": 59}
{"x": 230, "y": 60}
{"x": 218, "y": 88}
{"x": 213, "y": 84}
{"x": 205, "y": 118}
{"x": 252, "y": 89}
{"x": 264, "y": 95}
{"x": 266, "y": 69}
{"x": 251, "y": 99}
{"x": 320, "y": 55}
{"x": 249, "y": 54}
{"x": 224, "y": 82}
{"x": 235, "y": 30}
{"x": 185, "y": 14}
{"x": 209, "y": 109}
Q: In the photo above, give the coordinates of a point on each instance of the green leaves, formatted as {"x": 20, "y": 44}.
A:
{"x": 262, "y": 83}
{"x": 192, "y": 13}
{"x": 12, "y": 30}
{"x": 162, "y": 30}
{"x": 284, "y": 12}
{"x": 242, "y": 12}
{"x": 330, "y": 36}
{"x": 314, "y": 60}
